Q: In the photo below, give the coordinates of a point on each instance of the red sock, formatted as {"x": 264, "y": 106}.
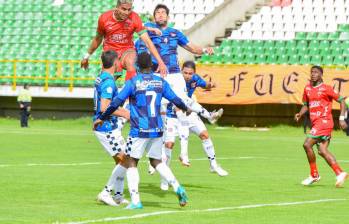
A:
{"x": 313, "y": 170}
{"x": 130, "y": 75}
{"x": 336, "y": 169}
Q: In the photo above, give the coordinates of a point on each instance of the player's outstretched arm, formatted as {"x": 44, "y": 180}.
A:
{"x": 195, "y": 49}
{"x": 96, "y": 41}
{"x": 301, "y": 113}
{"x": 162, "y": 67}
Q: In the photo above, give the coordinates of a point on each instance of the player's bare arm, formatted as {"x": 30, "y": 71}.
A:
{"x": 162, "y": 67}
{"x": 195, "y": 49}
{"x": 121, "y": 112}
{"x": 301, "y": 113}
{"x": 96, "y": 41}
{"x": 342, "y": 122}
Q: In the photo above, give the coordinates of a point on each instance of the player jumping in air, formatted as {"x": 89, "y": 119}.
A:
{"x": 115, "y": 29}
{"x": 317, "y": 99}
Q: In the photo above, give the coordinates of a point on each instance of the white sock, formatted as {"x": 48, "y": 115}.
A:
{"x": 209, "y": 149}
{"x": 166, "y": 173}
{"x": 168, "y": 154}
{"x": 184, "y": 145}
{"x": 119, "y": 182}
{"x": 111, "y": 181}
{"x": 133, "y": 182}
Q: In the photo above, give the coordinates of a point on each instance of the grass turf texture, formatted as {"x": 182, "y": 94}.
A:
{"x": 40, "y": 184}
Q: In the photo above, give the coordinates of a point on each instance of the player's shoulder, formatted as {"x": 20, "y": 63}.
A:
{"x": 308, "y": 86}
{"x": 150, "y": 24}
{"x": 196, "y": 77}
{"x": 107, "y": 14}
{"x": 134, "y": 16}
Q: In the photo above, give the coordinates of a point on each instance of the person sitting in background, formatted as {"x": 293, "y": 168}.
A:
{"x": 24, "y": 99}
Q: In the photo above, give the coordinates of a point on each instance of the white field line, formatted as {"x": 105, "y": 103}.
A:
{"x": 100, "y": 163}
{"x": 144, "y": 215}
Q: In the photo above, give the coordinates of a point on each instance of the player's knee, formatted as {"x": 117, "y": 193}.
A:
{"x": 307, "y": 146}
{"x": 169, "y": 145}
{"x": 204, "y": 135}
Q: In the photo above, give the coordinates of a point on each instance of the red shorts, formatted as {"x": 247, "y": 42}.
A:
{"x": 322, "y": 128}
{"x": 122, "y": 55}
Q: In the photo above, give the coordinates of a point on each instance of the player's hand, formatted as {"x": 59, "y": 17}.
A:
{"x": 162, "y": 69}
{"x": 84, "y": 63}
{"x": 209, "y": 50}
{"x": 297, "y": 117}
{"x": 343, "y": 125}
{"x": 97, "y": 123}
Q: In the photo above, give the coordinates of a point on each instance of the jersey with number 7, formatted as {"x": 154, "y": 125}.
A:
{"x": 145, "y": 92}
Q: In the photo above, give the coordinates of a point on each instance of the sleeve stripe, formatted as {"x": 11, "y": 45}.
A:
{"x": 340, "y": 99}
{"x": 142, "y": 31}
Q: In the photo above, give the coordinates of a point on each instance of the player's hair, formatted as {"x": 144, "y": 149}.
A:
{"x": 318, "y": 68}
{"x": 189, "y": 64}
{"x": 108, "y": 58}
{"x": 25, "y": 86}
{"x": 144, "y": 61}
{"x": 119, "y": 2}
{"x": 161, "y": 6}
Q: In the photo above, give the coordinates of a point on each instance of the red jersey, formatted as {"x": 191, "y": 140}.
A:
{"x": 319, "y": 102}
{"x": 118, "y": 35}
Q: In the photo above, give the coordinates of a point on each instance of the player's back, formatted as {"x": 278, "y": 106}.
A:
{"x": 105, "y": 88}
{"x": 145, "y": 103}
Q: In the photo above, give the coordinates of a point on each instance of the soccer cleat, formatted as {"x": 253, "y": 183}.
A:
{"x": 164, "y": 185}
{"x": 132, "y": 206}
{"x": 184, "y": 160}
{"x": 106, "y": 198}
{"x": 310, "y": 180}
{"x": 182, "y": 196}
{"x": 341, "y": 179}
{"x": 151, "y": 170}
{"x": 215, "y": 115}
{"x": 120, "y": 200}
{"x": 219, "y": 170}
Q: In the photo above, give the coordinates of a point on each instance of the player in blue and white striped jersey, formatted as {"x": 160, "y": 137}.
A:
{"x": 145, "y": 92}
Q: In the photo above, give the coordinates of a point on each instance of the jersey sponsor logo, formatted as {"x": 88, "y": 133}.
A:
{"x": 313, "y": 104}
{"x": 145, "y": 85}
{"x": 119, "y": 38}
{"x": 109, "y": 90}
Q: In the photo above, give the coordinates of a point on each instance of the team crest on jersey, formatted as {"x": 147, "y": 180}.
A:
{"x": 172, "y": 34}
{"x": 109, "y": 90}
{"x": 193, "y": 85}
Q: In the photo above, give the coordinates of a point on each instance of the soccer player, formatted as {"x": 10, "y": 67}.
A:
{"x": 167, "y": 45}
{"x": 109, "y": 134}
{"x": 347, "y": 115}
{"x": 195, "y": 125}
{"x": 317, "y": 99}
{"x": 116, "y": 28}
{"x": 145, "y": 92}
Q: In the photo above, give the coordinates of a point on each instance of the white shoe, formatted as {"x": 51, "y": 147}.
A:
{"x": 184, "y": 160}
{"x": 219, "y": 171}
{"x": 121, "y": 201}
{"x": 310, "y": 180}
{"x": 341, "y": 179}
{"x": 151, "y": 169}
{"x": 215, "y": 115}
{"x": 164, "y": 185}
{"x": 106, "y": 198}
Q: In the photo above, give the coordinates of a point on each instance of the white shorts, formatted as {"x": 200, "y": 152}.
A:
{"x": 177, "y": 84}
{"x": 196, "y": 125}
{"x": 112, "y": 142}
{"x": 135, "y": 147}
{"x": 171, "y": 131}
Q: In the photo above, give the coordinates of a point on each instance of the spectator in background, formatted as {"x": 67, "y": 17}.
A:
{"x": 24, "y": 99}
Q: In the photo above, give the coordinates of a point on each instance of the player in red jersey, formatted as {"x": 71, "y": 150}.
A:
{"x": 116, "y": 28}
{"x": 317, "y": 99}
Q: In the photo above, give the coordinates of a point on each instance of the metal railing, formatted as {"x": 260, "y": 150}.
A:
{"x": 47, "y": 77}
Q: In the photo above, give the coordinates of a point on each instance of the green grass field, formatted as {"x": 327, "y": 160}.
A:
{"x": 52, "y": 172}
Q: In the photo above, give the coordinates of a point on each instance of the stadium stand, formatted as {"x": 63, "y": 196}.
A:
{"x": 35, "y": 31}
{"x": 306, "y": 32}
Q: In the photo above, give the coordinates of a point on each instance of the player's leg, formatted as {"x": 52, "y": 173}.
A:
{"x": 331, "y": 161}
{"x": 128, "y": 59}
{"x": 184, "y": 140}
{"x": 200, "y": 130}
{"x": 135, "y": 148}
{"x": 308, "y": 148}
{"x": 114, "y": 145}
{"x": 164, "y": 171}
